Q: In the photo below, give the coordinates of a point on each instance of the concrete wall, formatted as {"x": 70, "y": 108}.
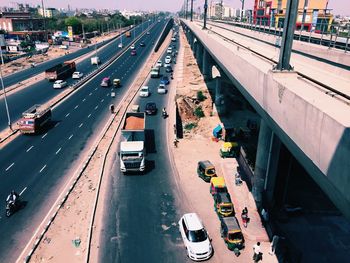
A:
{"x": 313, "y": 125}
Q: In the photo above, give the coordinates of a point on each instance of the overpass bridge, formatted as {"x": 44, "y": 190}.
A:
{"x": 307, "y": 110}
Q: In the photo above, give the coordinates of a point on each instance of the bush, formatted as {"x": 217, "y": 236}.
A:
{"x": 199, "y": 112}
{"x": 201, "y": 96}
{"x": 190, "y": 126}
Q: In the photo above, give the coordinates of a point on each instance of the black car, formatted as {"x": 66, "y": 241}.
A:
{"x": 168, "y": 69}
{"x": 142, "y": 44}
{"x": 151, "y": 108}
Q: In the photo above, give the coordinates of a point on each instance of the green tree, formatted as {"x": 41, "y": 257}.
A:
{"x": 75, "y": 23}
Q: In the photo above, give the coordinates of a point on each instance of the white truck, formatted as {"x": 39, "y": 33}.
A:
{"x": 95, "y": 60}
{"x": 155, "y": 72}
{"x": 132, "y": 146}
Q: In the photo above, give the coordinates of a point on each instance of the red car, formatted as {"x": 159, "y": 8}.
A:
{"x": 133, "y": 52}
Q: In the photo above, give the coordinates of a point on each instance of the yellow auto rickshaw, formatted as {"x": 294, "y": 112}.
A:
{"x": 223, "y": 204}
{"x": 217, "y": 185}
{"x": 206, "y": 170}
{"x": 116, "y": 83}
{"x": 231, "y": 233}
{"x": 229, "y": 149}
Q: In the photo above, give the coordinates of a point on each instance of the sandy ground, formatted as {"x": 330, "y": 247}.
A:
{"x": 53, "y": 52}
{"x": 197, "y": 143}
{"x": 70, "y": 229}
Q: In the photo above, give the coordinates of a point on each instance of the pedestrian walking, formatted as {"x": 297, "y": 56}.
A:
{"x": 175, "y": 130}
{"x": 257, "y": 252}
{"x": 244, "y": 216}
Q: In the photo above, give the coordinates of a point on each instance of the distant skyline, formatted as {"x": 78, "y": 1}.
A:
{"x": 340, "y": 7}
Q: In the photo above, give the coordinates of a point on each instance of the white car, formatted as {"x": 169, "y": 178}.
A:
{"x": 120, "y": 45}
{"x": 195, "y": 237}
{"x": 169, "y": 50}
{"x": 59, "y": 84}
{"x": 167, "y": 60}
{"x": 144, "y": 91}
{"x": 161, "y": 89}
{"x": 63, "y": 47}
{"x": 159, "y": 63}
{"x": 77, "y": 75}
{"x": 132, "y": 47}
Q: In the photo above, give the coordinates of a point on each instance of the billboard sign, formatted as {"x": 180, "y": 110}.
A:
{"x": 70, "y": 33}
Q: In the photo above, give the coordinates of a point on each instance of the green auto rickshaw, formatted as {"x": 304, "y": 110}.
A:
{"x": 206, "y": 170}
{"x": 231, "y": 233}
{"x": 229, "y": 149}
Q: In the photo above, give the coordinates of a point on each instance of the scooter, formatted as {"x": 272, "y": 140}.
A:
{"x": 164, "y": 114}
{"x": 11, "y": 208}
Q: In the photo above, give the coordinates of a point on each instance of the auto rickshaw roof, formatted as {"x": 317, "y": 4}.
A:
{"x": 231, "y": 223}
{"x": 224, "y": 197}
{"x": 227, "y": 146}
{"x": 206, "y": 164}
{"x": 116, "y": 80}
{"x": 218, "y": 181}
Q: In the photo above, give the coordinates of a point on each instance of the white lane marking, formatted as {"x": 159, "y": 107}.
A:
{"x": 42, "y": 169}
{"x": 89, "y": 115}
{"x": 57, "y": 124}
{"x": 44, "y": 136}
{"x": 84, "y": 100}
{"x": 76, "y": 107}
{"x": 21, "y": 193}
{"x": 81, "y": 124}
{"x": 31, "y": 147}
{"x": 58, "y": 151}
{"x": 67, "y": 115}
{"x": 95, "y": 88}
{"x": 96, "y": 107}
{"x": 102, "y": 100}
{"x": 90, "y": 94}
{"x": 107, "y": 94}
{"x": 8, "y": 168}
{"x": 70, "y": 137}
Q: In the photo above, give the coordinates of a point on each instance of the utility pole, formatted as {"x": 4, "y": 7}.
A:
{"x": 44, "y": 16}
{"x": 205, "y": 14}
{"x": 288, "y": 34}
{"x": 221, "y": 9}
{"x": 191, "y": 10}
{"x": 242, "y": 10}
{"x": 2, "y": 43}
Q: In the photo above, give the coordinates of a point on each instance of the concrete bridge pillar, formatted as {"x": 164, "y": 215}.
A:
{"x": 207, "y": 64}
{"x": 261, "y": 162}
{"x": 199, "y": 54}
{"x": 219, "y": 96}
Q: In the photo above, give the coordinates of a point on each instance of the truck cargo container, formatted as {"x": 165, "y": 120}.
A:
{"x": 34, "y": 119}
{"x": 60, "y": 71}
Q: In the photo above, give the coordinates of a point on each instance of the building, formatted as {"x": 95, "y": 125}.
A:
{"x": 218, "y": 10}
{"x": 22, "y": 25}
{"x": 313, "y": 15}
{"x": 48, "y": 12}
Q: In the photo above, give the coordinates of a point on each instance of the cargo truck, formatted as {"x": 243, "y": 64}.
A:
{"x": 60, "y": 71}
{"x": 132, "y": 146}
{"x": 34, "y": 119}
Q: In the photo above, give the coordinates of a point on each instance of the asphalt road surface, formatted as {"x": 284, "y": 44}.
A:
{"x": 141, "y": 221}
{"x": 36, "y": 165}
{"x": 43, "y": 90}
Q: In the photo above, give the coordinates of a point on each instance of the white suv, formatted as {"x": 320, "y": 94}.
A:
{"x": 144, "y": 91}
{"x": 167, "y": 60}
{"x": 195, "y": 237}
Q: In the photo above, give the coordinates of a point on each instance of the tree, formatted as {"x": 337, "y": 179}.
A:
{"x": 75, "y": 23}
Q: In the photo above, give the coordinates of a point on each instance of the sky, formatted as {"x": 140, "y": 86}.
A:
{"x": 341, "y": 7}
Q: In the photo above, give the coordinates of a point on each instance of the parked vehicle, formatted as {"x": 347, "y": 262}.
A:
{"x": 161, "y": 89}
{"x": 135, "y": 108}
{"x": 151, "y": 108}
{"x": 106, "y": 82}
{"x": 217, "y": 185}
{"x": 231, "y": 233}
{"x": 132, "y": 47}
{"x": 133, "y": 52}
{"x": 132, "y": 147}
{"x": 195, "y": 237}
{"x": 120, "y": 45}
{"x": 164, "y": 80}
{"x": 63, "y": 47}
{"x": 77, "y": 75}
{"x": 159, "y": 63}
{"x": 155, "y": 71}
{"x": 142, "y": 44}
{"x": 173, "y": 39}
{"x": 167, "y": 60}
{"x": 223, "y": 204}
{"x": 59, "y": 84}
{"x": 169, "y": 50}
{"x": 144, "y": 92}
{"x": 168, "y": 69}
{"x": 34, "y": 119}
{"x": 60, "y": 71}
{"x": 127, "y": 34}
{"x": 206, "y": 170}
{"x": 95, "y": 61}
{"x": 229, "y": 149}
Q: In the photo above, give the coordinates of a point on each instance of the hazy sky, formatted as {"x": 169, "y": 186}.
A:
{"x": 339, "y": 6}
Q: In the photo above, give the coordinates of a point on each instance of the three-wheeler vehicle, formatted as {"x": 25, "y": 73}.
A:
{"x": 231, "y": 233}
{"x": 206, "y": 170}
{"x": 217, "y": 185}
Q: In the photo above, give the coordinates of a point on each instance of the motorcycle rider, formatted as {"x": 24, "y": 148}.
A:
{"x": 244, "y": 216}
{"x": 12, "y": 198}
{"x": 164, "y": 113}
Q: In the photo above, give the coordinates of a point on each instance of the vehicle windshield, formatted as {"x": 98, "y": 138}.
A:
{"x": 197, "y": 235}
{"x": 211, "y": 171}
{"x": 235, "y": 236}
{"x": 226, "y": 208}
{"x": 144, "y": 89}
{"x": 127, "y": 155}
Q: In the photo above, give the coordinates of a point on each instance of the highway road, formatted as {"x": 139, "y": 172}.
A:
{"x": 37, "y": 165}
{"x": 43, "y": 91}
{"x": 143, "y": 210}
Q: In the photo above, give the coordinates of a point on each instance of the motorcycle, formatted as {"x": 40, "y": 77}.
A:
{"x": 11, "y": 208}
{"x": 164, "y": 114}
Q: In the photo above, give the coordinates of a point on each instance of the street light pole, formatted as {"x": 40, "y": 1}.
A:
{"x": 205, "y": 14}
{"x": 242, "y": 10}
{"x": 191, "y": 10}
{"x": 2, "y": 42}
